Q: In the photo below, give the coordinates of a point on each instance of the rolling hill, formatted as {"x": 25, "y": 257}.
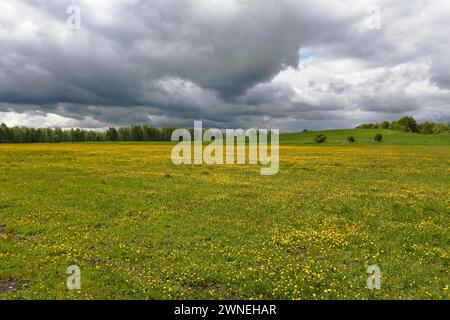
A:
{"x": 364, "y": 136}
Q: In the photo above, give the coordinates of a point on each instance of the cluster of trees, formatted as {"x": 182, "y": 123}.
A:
{"x": 409, "y": 124}
{"x": 133, "y": 133}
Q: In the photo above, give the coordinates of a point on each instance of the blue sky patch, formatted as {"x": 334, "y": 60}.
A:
{"x": 306, "y": 54}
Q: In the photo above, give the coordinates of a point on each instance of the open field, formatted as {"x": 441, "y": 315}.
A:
{"x": 140, "y": 227}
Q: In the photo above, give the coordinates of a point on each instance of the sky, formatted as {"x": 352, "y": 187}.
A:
{"x": 280, "y": 64}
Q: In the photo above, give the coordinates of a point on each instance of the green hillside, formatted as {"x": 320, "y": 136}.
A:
{"x": 365, "y": 136}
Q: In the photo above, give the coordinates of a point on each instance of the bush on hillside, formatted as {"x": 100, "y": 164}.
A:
{"x": 320, "y": 138}
{"x": 378, "y": 137}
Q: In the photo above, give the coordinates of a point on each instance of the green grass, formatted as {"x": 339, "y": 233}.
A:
{"x": 140, "y": 227}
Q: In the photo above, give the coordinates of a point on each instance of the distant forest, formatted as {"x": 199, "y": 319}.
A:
{"x": 132, "y": 133}
{"x": 148, "y": 133}
{"x": 409, "y": 124}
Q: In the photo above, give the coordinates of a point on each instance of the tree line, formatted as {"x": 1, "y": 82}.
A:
{"x": 409, "y": 124}
{"x": 47, "y": 135}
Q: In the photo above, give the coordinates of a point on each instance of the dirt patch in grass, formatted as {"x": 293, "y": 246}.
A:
{"x": 95, "y": 261}
{"x": 9, "y": 286}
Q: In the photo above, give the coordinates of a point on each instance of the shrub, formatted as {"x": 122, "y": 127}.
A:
{"x": 385, "y": 125}
{"x": 365, "y": 126}
{"x": 397, "y": 127}
{"x": 439, "y": 128}
{"x": 320, "y": 138}
{"x": 351, "y": 139}
{"x": 378, "y": 137}
{"x": 427, "y": 127}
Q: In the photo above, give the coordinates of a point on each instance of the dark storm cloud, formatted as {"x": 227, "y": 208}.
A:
{"x": 440, "y": 71}
{"x": 169, "y": 62}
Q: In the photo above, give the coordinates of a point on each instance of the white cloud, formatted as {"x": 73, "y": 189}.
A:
{"x": 47, "y": 120}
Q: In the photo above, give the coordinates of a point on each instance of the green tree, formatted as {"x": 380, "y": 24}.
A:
{"x": 320, "y": 138}
{"x": 378, "y": 137}
{"x": 124, "y": 134}
{"x": 4, "y": 133}
{"x": 112, "y": 134}
{"x": 166, "y": 133}
{"x": 136, "y": 133}
{"x": 385, "y": 125}
{"x": 426, "y": 127}
{"x": 151, "y": 133}
{"x": 409, "y": 124}
{"x": 59, "y": 135}
{"x": 439, "y": 128}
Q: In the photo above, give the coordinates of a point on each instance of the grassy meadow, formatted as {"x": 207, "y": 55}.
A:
{"x": 140, "y": 227}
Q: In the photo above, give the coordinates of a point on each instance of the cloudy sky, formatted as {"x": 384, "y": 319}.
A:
{"x": 287, "y": 64}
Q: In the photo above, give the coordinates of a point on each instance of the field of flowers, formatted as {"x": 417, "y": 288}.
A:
{"x": 140, "y": 227}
